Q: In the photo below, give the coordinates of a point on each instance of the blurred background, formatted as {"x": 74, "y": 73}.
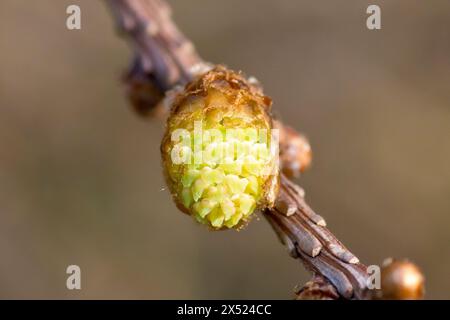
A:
{"x": 80, "y": 174}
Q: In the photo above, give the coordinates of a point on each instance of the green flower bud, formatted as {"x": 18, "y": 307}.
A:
{"x": 217, "y": 150}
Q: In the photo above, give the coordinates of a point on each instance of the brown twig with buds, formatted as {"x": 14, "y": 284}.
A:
{"x": 165, "y": 58}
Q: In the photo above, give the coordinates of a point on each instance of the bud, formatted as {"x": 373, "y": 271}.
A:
{"x": 295, "y": 151}
{"x": 143, "y": 92}
{"x": 218, "y": 153}
{"x": 401, "y": 280}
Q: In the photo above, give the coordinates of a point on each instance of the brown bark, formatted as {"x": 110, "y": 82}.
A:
{"x": 164, "y": 58}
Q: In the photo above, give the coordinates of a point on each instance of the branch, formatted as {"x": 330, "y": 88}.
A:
{"x": 165, "y": 58}
{"x": 304, "y": 233}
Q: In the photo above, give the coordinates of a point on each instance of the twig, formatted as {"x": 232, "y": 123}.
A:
{"x": 306, "y": 237}
{"x": 165, "y": 58}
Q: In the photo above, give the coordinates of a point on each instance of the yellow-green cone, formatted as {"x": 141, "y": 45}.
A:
{"x": 216, "y": 150}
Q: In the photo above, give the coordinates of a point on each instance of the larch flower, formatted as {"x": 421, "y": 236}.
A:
{"x": 219, "y": 152}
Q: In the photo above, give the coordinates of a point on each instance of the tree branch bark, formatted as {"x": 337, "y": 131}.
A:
{"x": 164, "y": 58}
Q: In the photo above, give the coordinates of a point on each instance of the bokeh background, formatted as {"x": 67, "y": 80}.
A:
{"x": 80, "y": 175}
